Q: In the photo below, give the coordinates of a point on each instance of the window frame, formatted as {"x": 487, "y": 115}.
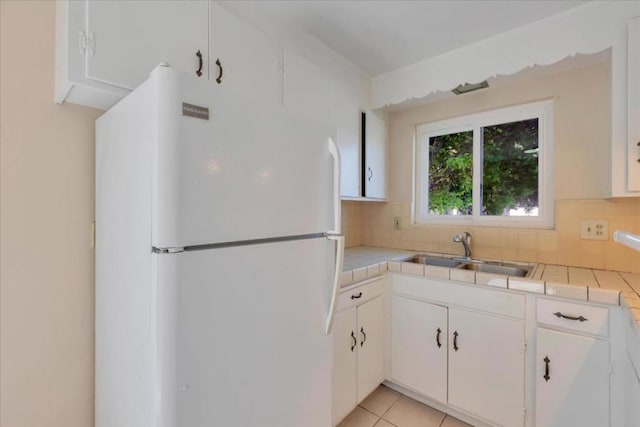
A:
{"x": 542, "y": 110}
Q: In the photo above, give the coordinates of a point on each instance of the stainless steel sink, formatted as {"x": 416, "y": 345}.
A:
{"x": 507, "y": 270}
{"x": 429, "y": 260}
{"x": 474, "y": 265}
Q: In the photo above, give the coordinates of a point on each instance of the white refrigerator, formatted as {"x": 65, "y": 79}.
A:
{"x": 218, "y": 253}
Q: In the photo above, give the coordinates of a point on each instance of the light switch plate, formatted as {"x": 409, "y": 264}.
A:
{"x": 592, "y": 229}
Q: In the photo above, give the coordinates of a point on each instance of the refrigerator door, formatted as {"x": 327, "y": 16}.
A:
{"x": 247, "y": 346}
{"x": 242, "y": 173}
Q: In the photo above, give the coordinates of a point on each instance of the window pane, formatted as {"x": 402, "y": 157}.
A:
{"x": 450, "y": 174}
{"x": 510, "y": 169}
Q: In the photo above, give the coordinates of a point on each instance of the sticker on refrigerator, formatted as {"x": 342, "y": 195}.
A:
{"x": 195, "y": 111}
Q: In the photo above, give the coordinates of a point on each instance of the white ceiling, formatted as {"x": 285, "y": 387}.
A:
{"x": 380, "y": 36}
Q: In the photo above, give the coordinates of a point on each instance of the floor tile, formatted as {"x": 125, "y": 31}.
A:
{"x": 407, "y": 412}
{"x": 380, "y": 400}
{"x": 454, "y": 422}
{"x": 359, "y": 418}
{"x": 383, "y": 423}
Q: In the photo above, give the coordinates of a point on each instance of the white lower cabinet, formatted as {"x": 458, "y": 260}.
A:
{"x": 572, "y": 380}
{"x": 345, "y": 364}
{"x": 469, "y": 360}
{"x": 419, "y": 346}
{"x": 358, "y": 353}
{"x": 486, "y": 366}
{"x": 632, "y": 395}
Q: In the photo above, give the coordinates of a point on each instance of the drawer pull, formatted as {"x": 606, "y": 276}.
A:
{"x": 564, "y": 316}
{"x": 364, "y": 336}
{"x": 356, "y": 296}
{"x": 455, "y": 340}
{"x": 546, "y": 375}
{"x": 355, "y": 341}
{"x": 438, "y": 332}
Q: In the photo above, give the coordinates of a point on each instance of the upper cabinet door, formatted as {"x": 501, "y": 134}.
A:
{"x": 307, "y": 88}
{"x": 104, "y": 49}
{"x": 345, "y": 115}
{"x": 127, "y": 39}
{"x": 243, "y": 58}
{"x": 375, "y": 176}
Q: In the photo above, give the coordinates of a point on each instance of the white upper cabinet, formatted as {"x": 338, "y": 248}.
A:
{"x": 307, "y": 88}
{"x": 375, "y": 163}
{"x": 345, "y": 115}
{"x": 243, "y": 58}
{"x": 106, "y": 48}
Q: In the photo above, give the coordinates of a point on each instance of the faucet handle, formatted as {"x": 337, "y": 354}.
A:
{"x": 457, "y": 238}
{"x": 467, "y": 237}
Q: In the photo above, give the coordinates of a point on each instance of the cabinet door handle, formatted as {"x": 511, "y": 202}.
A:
{"x": 370, "y": 174}
{"x": 455, "y": 340}
{"x": 364, "y": 336}
{"x": 355, "y": 340}
{"x": 438, "y": 332}
{"x": 356, "y": 296}
{"x": 220, "y": 70}
{"x": 546, "y": 375}
{"x": 564, "y": 316}
{"x": 199, "y": 70}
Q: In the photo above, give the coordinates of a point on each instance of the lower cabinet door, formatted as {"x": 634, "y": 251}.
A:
{"x": 419, "y": 346}
{"x": 486, "y": 366}
{"x": 345, "y": 342}
{"x": 572, "y": 380}
{"x": 370, "y": 343}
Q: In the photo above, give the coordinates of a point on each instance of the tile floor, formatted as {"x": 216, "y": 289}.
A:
{"x": 388, "y": 408}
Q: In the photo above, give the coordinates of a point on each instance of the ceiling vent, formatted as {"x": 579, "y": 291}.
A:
{"x": 466, "y": 88}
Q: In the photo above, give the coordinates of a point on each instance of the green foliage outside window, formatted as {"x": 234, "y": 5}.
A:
{"x": 450, "y": 173}
{"x": 509, "y": 170}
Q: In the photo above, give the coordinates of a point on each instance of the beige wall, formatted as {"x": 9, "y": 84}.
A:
{"x": 581, "y": 113}
{"x": 46, "y": 209}
{"x": 581, "y": 129}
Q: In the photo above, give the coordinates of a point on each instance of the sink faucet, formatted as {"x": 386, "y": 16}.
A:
{"x": 465, "y": 239}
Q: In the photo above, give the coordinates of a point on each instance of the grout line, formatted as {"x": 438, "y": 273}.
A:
{"x": 628, "y": 284}
{"x": 442, "y": 422}
{"x": 362, "y": 407}
{"x": 392, "y": 405}
{"x": 595, "y": 276}
{"x": 385, "y": 422}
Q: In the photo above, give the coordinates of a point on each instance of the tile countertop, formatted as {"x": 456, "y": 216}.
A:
{"x": 601, "y": 286}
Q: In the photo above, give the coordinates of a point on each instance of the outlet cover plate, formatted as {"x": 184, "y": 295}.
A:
{"x": 396, "y": 223}
{"x": 594, "y": 229}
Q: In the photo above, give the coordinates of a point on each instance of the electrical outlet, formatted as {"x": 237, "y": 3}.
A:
{"x": 396, "y": 223}
{"x": 592, "y": 229}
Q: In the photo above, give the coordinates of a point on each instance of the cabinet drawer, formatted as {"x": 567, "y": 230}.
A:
{"x": 359, "y": 294}
{"x": 576, "y": 317}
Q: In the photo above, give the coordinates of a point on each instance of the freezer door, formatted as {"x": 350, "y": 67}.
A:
{"x": 247, "y": 346}
{"x": 242, "y": 173}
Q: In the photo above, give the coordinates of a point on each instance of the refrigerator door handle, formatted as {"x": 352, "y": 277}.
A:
{"x": 336, "y": 282}
{"x": 337, "y": 204}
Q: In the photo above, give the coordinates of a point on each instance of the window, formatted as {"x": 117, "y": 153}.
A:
{"x": 492, "y": 168}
